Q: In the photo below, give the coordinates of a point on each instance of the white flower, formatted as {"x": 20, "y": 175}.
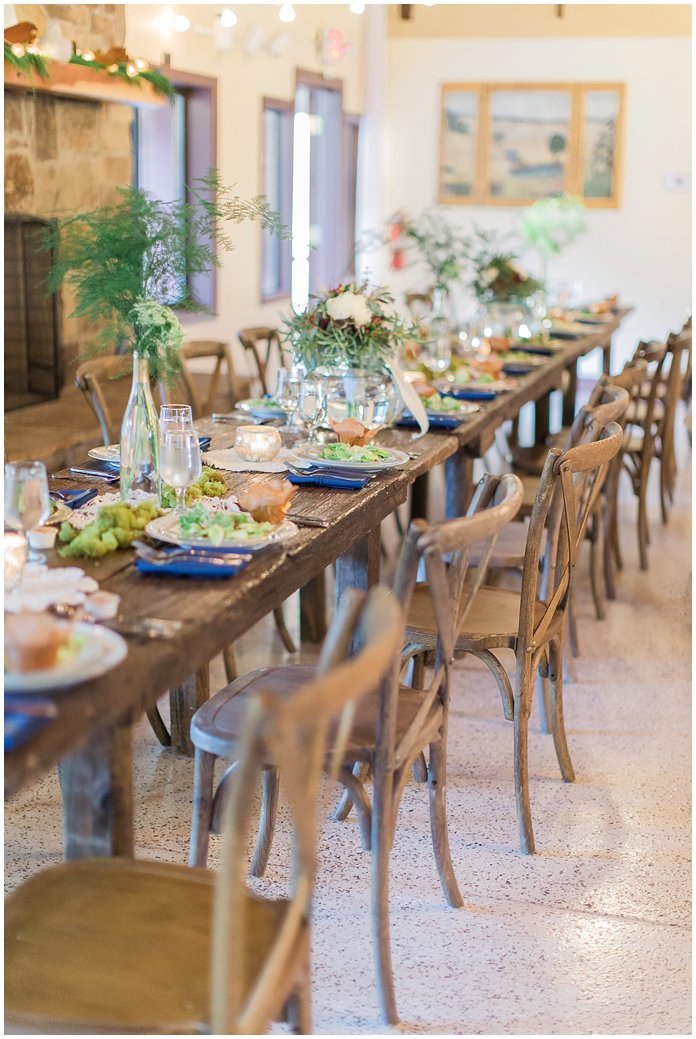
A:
{"x": 488, "y": 276}
{"x": 349, "y": 306}
{"x": 519, "y": 271}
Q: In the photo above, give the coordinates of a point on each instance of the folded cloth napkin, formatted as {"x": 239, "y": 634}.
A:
{"x": 461, "y": 393}
{"x": 436, "y": 421}
{"x": 19, "y": 727}
{"x": 204, "y": 442}
{"x": 337, "y": 481}
{"x": 190, "y": 566}
{"x": 76, "y": 497}
{"x": 518, "y": 367}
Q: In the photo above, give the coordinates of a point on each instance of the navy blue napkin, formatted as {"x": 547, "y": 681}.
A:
{"x": 204, "y": 442}
{"x": 19, "y": 727}
{"x": 76, "y": 497}
{"x": 436, "y": 420}
{"x": 518, "y": 368}
{"x": 190, "y": 566}
{"x": 536, "y": 348}
{"x": 335, "y": 481}
{"x": 561, "y": 334}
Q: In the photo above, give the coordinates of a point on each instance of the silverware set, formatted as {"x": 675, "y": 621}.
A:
{"x": 143, "y": 627}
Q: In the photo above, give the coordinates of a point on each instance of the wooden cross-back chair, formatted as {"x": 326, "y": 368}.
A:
{"x": 392, "y": 727}
{"x": 531, "y": 621}
{"x": 183, "y": 387}
{"x": 91, "y": 377}
{"x": 263, "y": 344}
{"x": 133, "y": 946}
{"x": 419, "y": 304}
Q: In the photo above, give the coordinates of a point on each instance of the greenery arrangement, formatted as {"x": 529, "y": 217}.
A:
{"x": 128, "y": 71}
{"x": 442, "y": 248}
{"x": 131, "y": 262}
{"x": 498, "y": 277}
{"x": 347, "y": 327}
{"x": 28, "y": 61}
{"x": 550, "y": 225}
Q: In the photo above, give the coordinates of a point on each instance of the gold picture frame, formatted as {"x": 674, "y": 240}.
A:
{"x": 509, "y": 144}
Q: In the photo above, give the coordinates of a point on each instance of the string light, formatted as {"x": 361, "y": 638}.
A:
{"x": 356, "y": 7}
{"x": 87, "y": 55}
{"x": 287, "y": 13}
{"x": 18, "y": 50}
{"x": 31, "y": 49}
{"x": 181, "y": 23}
{"x": 140, "y": 64}
{"x": 131, "y": 70}
{"x": 228, "y": 19}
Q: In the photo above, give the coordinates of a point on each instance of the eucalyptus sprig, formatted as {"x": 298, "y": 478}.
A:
{"x": 29, "y": 62}
{"x": 442, "y": 247}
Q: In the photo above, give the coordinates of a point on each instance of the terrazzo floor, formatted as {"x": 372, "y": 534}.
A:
{"x": 591, "y": 935}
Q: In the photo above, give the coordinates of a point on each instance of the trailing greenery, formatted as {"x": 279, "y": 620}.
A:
{"x": 442, "y": 247}
{"x": 157, "y": 79}
{"x": 27, "y": 62}
{"x": 552, "y": 224}
{"x": 142, "y": 249}
{"x": 347, "y": 327}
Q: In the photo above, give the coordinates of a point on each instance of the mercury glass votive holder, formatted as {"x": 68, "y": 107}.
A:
{"x": 257, "y": 443}
{"x": 14, "y": 557}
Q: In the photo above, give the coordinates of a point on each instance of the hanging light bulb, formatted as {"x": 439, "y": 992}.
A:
{"x": 228, "y": 19}
{"x": 287, "y": 13}
{"x": 181, "y": 23}
{"x": 356, "y": 7}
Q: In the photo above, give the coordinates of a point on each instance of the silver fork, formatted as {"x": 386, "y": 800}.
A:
{"x": 313, "y": 470}
{"x": 157, "y": 556}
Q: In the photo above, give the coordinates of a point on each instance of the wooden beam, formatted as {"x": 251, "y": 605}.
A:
{"x": 406, "y": 12}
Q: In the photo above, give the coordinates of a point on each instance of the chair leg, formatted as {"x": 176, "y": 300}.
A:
{"x": 521, "y": 767}
{"x": 230, "y": 662}
{"x": 299, "y": 1005}
{"x": 420, "y": 769}
{"x": 285, "y": 636}
{"x": 382, "y": 834}
{"x": 437, "y": 784}
{"x": 342, "y": 810}
{"x": 202, "y": 807}
{"x": 643, "y": 532}
{"x": 664, "y": 492}
{"x": 608, "y": 555}
{"x": 557, "y": 723}
{"x": 596, "y": 564}
{"x": 158, "y": 727}
{"x": 542, "y": 684}
{"x": 573, "y": 640}
{"x": 270, "y": 785}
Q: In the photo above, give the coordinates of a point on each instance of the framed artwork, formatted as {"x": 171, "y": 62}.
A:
{"x": 510, "y": 144}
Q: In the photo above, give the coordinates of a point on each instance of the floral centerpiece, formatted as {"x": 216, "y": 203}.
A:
{"x": 347, "y": 327}
{"x": 550, "y": 225}
{"x": 442, "y": 248}
{"x": 498, "y": 276}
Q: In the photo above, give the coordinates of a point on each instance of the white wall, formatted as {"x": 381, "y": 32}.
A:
{"x": 641, "y": 250}
{"x": 242, "y": 82}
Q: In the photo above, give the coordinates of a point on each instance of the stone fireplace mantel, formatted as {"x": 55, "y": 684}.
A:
{"x": 80, "y": 83}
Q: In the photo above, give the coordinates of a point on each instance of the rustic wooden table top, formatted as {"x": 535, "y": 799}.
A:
{"x": 216, "y": 612}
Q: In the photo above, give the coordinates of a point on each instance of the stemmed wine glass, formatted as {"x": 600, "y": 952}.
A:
{"x": 180, "y": 462}
{"x": 27, "y": 503}
{"x": 175, "y": 416}
{"x": 288, "y": 388}
{"x": 313, "y": 404}
{"x": 437, "y": 354}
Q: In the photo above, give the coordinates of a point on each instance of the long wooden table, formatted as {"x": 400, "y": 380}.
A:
{"x": 91, "y": 738}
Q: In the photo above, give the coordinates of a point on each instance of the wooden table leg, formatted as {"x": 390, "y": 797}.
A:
{"x": 542, "y": 414}
{"x": 606, "y": 357}
{"x": 459, "y": 477}
{"x": 419, "y": 497}
{"x": 97, "y": 788}
{"x": 184, "y": 701}
{"x": 570, "y": 395}
{"x": 313, "y": 609}
{"x": 359, "y": 567}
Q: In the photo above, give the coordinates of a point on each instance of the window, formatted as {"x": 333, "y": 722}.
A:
{"x": 174, "y": 144}
{"x": 351, "y": 135}
{"x": 277, "y": 187}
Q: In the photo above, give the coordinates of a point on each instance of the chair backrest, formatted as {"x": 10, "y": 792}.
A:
{"x": 419, "y": 304}
{"x": 264, "y": 346}
{"x": 654, "y": 354}
{"x": 445, "y": 550}
{"x": 568, "y": 488}
{"x": 90, "y": 378}
{"x": 184, "y": 384}
{"x": 608, "y": 403}
{"x": 292, "y": 732}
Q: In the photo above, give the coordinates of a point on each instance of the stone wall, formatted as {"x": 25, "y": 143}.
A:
{"x": 63, "y": 156}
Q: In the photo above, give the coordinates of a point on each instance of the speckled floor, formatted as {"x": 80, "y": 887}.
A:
{"x": 592, "y": 935}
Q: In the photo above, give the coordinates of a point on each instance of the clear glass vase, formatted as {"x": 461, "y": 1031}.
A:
{"x": 140, "y": 437}
{"x": 370, "y": 396}
{"x": 509, "y": 319}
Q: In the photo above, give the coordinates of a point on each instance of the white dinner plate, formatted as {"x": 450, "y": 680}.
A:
{"x": 312, "y": 453}
{"x": 103, "y": 649}
{"x": 166, "y": 528}
{"x": 112, "y": 453}
{"x": 463, "y": 409}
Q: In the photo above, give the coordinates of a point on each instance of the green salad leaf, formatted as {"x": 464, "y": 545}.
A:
{"x": 217, "y": 527}
{"x": 345, "y": 453}
{"x": 443, "y": 405}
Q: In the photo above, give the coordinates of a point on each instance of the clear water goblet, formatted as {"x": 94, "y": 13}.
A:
{"x": 175, "y": 416}
{"x": 288, "y": 387}
{"x": 180, "y": 462}
{"x": 27, "y": 501}
{"x": 313, "y": 405}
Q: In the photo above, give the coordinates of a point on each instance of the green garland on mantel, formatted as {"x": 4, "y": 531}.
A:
{"x": 35, "y": 63}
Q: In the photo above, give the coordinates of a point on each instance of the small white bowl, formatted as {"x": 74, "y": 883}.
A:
{"x": 42, "y": 537}
{"x": 102, "y": 606}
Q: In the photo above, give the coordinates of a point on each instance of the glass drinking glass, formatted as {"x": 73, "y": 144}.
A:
{"x": 437, "y": 354}
{"x": 180, "y": 462}
{"x": 312, "y": 404}
{"x": 175, "y": 416}
{"x": 27, "y": 503}
{"x": 288, "y": 387}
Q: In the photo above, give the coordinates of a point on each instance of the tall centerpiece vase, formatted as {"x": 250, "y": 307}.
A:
{"x": 139, "y": 437}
